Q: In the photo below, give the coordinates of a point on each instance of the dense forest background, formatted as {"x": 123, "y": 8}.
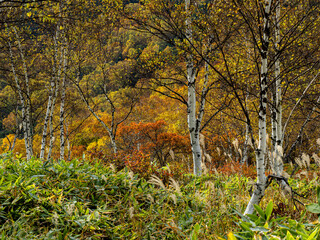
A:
{"x": 159, "y": 119}
{"x": 108, "y": 80}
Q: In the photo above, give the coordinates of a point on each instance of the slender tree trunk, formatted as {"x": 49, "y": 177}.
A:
{"x": 57, "y": 75}
{"x": 23, "y": 103}
{"x": 308, "y": 119}
{"x": 277, "y": 163}
{"x": 62, "y": 103}
{"x": 260, "y": 185}
{"x": 278, "y": 78}
{"x": 17, "y": 130}
{"x": 51, "y": 121}
{"x": 193, "y": 123}
{"x": 46, "y": 119}
{"x": 57, "y": 68}
{"x": 109, "y": 130}
{"x": 244, "y": 159}
{"x": 27, "y": 101}
{"x": 68, "y": 142}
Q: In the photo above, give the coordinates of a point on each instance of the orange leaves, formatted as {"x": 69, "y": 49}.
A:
{"x": 151, "y": 138}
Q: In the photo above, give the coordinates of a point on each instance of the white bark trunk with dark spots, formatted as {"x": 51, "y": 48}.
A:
{"x": 22, "y": 102}
{"x": 260, "y": 185}
{"x": 62, "y": 104}
{"x": 46, "y": 119}
{"x": 57, "y": 67}
{"x": 25, "y": 98}
{"x": 193, "y": 122}
{"x": 277, "y": 103}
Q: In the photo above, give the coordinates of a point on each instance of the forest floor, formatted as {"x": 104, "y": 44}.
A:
{"x": 84, "y": 200}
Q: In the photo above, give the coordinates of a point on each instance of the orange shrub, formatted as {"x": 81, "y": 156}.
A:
{"x": 153, "y": 140}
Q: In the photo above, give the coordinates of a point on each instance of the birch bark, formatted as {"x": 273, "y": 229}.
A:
{"x": 277, "y": 163}
{"x": 46, "y": 119}
{"x": 17, "y": 130}
{"x": 62, "y": 104}
{"x": 25, "y": 97}
{"x": 260, "y": 185}
{"x": 57, "y": 75}
{"x": 22, "y": 102}
{"x": 193, "y": 122}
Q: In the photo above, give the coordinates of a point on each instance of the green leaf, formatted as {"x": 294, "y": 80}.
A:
{"x": 260, "y": 211}
{"x": 195, "y": 232}
{"x": 259, "y": 229}
{"x": 269, "y": 210}
{"x": 314, "y": 208}
{"x": 245, "y": 226}
{"x": 313, "y": 234}
{"x": 289, "y": 236}
{"x": 253, "y": 217}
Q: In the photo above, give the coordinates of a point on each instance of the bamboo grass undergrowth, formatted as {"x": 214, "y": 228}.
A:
{"x": 78, "y": 199}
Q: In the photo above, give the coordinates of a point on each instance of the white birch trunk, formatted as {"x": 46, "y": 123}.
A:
{"x": 193, "y": 123}
{"x": 51, "y": 135}
{"x": 277, "y": 163}
{"x": 278, "y": 78}
{"x": 57, "y": 76}
{"x": 17, "y": 130}
{"x": 62, "y": 103}
{"x": 27, "y": 101}
{"x": 46, "y": 119}
{"x": 260, "y": 185}
{"x": 22, "y": 102}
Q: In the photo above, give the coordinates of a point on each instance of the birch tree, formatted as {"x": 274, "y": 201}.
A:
{"x": 260, "y": 185}
{"x": 62, "y": 101}
{"x": 193, "y": 121}
{"x": 296, "y": 30}
{"x": 58, "y": 63}
{"x": 174, "y": 23}
{"x": 24, "y": 93}
{"x": 54, "y": 86}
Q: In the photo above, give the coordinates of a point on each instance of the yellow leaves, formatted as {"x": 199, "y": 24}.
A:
{"x": 231, "y": 236}
{"x": 10, "y": 121}
{"x": 98, "y": 145}
{"x": 7, "y": 142}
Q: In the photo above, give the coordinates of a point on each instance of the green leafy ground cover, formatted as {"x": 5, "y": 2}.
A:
{"x": 80, "y": 200}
